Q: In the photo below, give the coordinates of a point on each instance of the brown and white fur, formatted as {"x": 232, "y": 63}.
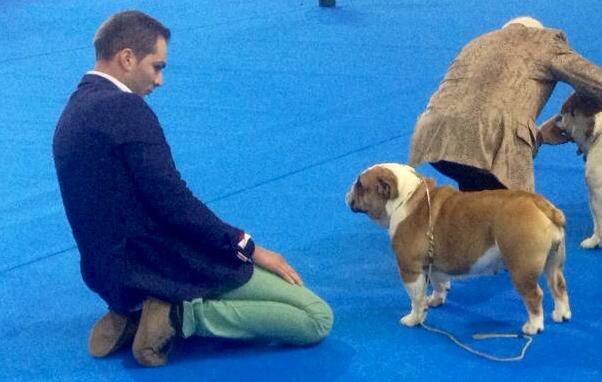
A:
{"x": 474, "y": 233}
{"x": 582, "y": 120}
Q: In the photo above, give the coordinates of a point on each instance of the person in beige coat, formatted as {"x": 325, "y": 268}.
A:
{"x": 479, "y": 126}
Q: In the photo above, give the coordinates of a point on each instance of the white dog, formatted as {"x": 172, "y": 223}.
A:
{"x": 582, "y": 120}
{"x": 472, "y": 233}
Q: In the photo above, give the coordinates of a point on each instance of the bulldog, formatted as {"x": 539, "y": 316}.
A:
{"x": 581, "y": 118}
{"x": 441, "y": 233}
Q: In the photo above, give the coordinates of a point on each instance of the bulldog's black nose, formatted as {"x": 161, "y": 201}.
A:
{"x": 352, "y": 206}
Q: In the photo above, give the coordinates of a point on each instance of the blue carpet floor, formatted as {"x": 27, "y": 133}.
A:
{"x": 272, "y": 108}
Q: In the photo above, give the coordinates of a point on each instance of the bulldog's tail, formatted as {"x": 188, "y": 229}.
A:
{"x": 554, "y": 214}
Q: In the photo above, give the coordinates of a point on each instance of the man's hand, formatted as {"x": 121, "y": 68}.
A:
{"x": 275, "y": 263}
{"x": 551, "y": 133}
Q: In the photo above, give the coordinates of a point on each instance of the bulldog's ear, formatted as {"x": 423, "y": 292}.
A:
{"x": 583, "y": 103}
{"x": 386, "y": 186}
{"x": 568, "y": 107}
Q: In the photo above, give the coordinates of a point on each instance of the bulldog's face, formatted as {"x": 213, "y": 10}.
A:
{"x": 578, "y": 119}
{"x": 378, "y": 186}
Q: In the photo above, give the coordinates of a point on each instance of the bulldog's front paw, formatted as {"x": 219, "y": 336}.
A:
{"x": 561, "y": 314}
{"x": 591, "y": 242}
{"x": 434, "y": 300}
{"x": 533, "y": 327}
{"x": 411, "y": 319}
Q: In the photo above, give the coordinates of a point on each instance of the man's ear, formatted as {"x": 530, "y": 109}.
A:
{"x": 386, "y": 186}
{"x": 127, "y": 59}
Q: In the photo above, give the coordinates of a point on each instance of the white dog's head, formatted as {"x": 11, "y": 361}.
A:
{"x": 581, "y": 119}
{"x": 379, "y": 190}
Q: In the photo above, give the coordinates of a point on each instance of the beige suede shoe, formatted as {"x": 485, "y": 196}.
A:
{"x": 110, "y": 332}
{"x": 155, "y": 334}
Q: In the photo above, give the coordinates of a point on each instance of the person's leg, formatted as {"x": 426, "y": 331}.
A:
{"x": 469, "y": 178}
{"x": 476, "y": 179}
{"x": 265, "y": 308}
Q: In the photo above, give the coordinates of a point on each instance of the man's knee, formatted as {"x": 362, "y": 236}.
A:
{"x": 319, "y": 323}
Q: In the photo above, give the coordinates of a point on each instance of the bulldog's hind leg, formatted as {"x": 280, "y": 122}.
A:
{"x": 441, "y": 285}
{"x": 525, "y": 283}
{"x": 525, "y": 255}
{"x": 593, "y": 177}
{"x": 416, "y": 288}
{"x": 557, "y": 284}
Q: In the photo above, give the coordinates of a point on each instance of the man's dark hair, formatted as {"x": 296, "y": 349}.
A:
{"x": 128, "y": 29}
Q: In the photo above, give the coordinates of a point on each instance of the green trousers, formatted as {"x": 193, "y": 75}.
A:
{"x": 266, "y": 308}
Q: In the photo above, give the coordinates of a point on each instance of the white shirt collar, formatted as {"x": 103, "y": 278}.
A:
{"x": 114, "y": 80}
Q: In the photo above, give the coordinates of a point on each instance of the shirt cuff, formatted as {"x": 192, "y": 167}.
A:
{"x": 245, "y": 249}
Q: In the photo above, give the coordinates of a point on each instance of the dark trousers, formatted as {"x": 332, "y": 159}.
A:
{"x": 469, "y": 178}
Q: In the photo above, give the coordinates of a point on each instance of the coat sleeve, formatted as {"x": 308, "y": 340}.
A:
{"x": 158, "y": 183}
{"x": 569, "y": 67}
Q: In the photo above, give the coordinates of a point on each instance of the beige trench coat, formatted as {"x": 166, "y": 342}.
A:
{"x": 483, "y": 113}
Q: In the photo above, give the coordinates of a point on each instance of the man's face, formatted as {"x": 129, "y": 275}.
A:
{"x": 147, "y": 72}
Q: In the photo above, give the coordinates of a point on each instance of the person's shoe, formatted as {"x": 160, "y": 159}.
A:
{"x": 110, "y": 332}
{"x": 159, "y": 324}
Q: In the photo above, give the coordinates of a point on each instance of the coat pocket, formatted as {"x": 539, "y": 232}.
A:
{"x": 528, "y": 135}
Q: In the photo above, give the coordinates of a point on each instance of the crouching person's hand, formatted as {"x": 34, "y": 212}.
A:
{"x": 275, "y": 263}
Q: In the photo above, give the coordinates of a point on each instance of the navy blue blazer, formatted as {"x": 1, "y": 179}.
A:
{"x": 140, "y": 231}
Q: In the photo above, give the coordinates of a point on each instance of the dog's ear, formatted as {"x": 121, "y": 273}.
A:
{"x": 586, "y": 105}
{"x": 386, "y": 186}
{"x": 568, "y": 107}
